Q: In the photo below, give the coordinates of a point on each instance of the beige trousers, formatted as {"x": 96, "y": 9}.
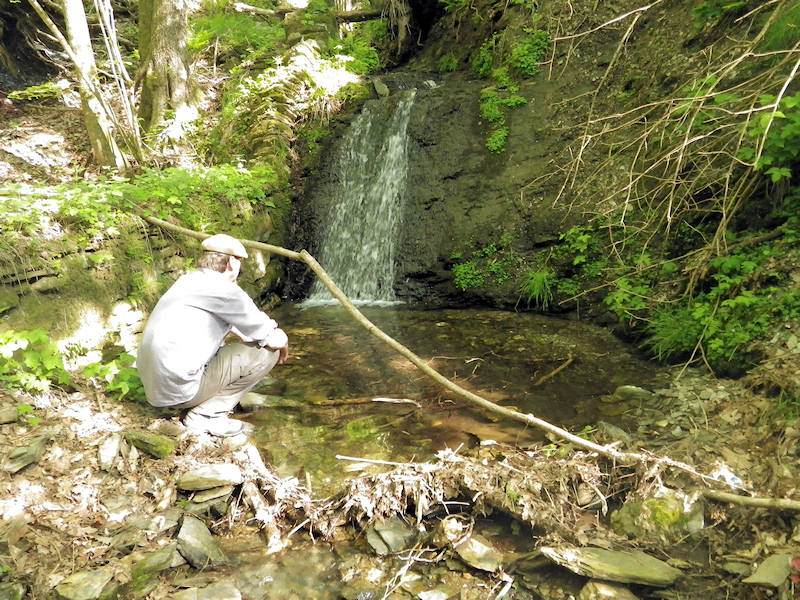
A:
{"x": 235, "y": 370}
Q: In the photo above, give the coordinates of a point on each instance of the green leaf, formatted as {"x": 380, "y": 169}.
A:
{"x": 778, "y": 173}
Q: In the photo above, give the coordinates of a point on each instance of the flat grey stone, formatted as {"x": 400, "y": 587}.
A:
{"x": 8, "y": 414}
{"x": 83, "y": 585}
{"x": 198, "y": 546}
{"x": 602, "y": 590}
{"x": 613, "y": 565}
{"x": 390, "y": 536}
{"x": 479, "y": 553}
{"x": 772, "y": 572}
{"x": 210, "y": 476}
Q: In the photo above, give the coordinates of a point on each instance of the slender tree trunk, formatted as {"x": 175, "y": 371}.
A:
{"x": 165, "y": 74}
{"x": 98, "y": 123}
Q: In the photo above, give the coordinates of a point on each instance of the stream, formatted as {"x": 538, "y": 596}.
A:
{"x": 321, "y": 406}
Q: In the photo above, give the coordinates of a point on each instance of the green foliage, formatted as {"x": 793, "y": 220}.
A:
{"x": 195, "y": 196}
{"x": 313, "y": 135}
{"x": 34, "y": 93}
{"x": 496, "y": 262}
{"x": 711, "y": 10}
{"x": 493, "y": 109}
{"x": 467, "y": 275}
{"x": 578, "y": 241}
{"x": 452, "y": 6}
{"x": 360, "y": 57}
{"x": 526, "y": 55}
{"x": 538, "y": 288}
{"x": 783, "y": 32}
{"x": 781, "y": 148}
{"x": 504, "y": 79}
{"x": 120, "y": 376}
{"x": 29, "y": 361}
{"x": 628, "y": 298}
{"x": 725, "y": 320}
{"x": 447, "y": 63}
{"x": 235, "y": 32}
{"x": 496, "y": 142}
{"x": 481, "y": 61}
{"x": 315, "y": 10}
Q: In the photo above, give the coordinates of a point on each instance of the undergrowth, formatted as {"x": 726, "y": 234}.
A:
{"x": 507, "y": 58}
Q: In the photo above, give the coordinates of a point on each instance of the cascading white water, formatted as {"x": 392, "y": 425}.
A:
{"x": 357, "y": 244}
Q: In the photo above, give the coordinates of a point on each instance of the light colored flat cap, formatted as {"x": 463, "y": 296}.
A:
{"x": 226, "y": 244}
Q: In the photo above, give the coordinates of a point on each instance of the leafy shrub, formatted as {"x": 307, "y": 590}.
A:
{"x": 448, "y": 63}
{"x": 30, "y": 361}
{"x": 496, "y": 142}
{"x": 724, "y": 321}
{"x": 120, "y": 376}
{"x": 362, "y": 57}
{"x": 526, "y": 55}
{"x": 467, "y": 276}
{"x": 628, "y": 297}
{"x": 781, "y": 148}
{"x": 194, "y": 196}
{"x": 578, "y": 242}
{"x": 481, "y": 61}
{"x": 236, "y": 32}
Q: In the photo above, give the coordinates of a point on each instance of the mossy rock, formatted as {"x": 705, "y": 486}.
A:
{"x": 671, "y": 516}
{"x": 157, "y": 446}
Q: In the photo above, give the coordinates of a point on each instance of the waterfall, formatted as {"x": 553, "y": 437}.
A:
{"x": 365, "y": 203}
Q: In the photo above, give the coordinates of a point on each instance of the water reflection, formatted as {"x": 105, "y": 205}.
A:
{"x": 326, "y": 390}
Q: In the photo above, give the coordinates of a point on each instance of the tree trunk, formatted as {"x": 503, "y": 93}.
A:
{"x": 165, "y": 75}
{"x": 98, "y": 122}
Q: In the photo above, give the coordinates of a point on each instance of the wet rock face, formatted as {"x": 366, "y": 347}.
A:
{"x": 459, "y": 196}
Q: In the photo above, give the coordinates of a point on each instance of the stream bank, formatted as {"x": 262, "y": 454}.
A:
{"x": 88, "y": 504}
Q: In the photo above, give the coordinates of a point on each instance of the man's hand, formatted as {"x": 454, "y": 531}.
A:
{"x": 283, "y": 354}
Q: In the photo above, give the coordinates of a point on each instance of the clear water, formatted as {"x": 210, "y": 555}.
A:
{"x": 324, "y": 405}
{"x": 323, "y": 409}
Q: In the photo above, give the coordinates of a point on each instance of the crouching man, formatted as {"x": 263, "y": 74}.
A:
{"x": 182, "y": 361}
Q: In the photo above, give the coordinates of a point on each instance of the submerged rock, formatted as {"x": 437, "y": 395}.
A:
{"x": 601, "y": 590}
{"x": 479, "y": 553}
{"x": 223, "y": 590}
{"x": 390, "y": 536}
{"x": 621, "y": 566}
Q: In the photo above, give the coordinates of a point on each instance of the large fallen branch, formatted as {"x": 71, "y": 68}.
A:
{"x": 609, "y": 450}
